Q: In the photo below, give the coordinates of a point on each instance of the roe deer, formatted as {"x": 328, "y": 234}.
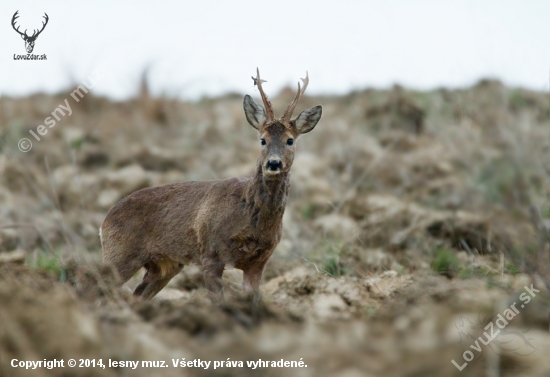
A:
{"x": 235, "y": 221}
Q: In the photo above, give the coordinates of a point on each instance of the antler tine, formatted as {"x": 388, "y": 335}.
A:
{"x": 267, "y": 104}
{"x": 15, "y": 17}
{"x": 43, "y": 24}
{"x": 292, "y": 106}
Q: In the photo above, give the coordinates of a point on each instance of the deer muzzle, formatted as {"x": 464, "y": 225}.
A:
{"x": 273, "y": 166}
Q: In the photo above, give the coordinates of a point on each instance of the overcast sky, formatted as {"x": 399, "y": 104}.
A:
{"x": 212, "y": 47}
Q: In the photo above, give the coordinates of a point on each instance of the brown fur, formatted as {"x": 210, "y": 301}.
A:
{"x": 235, "y": 222}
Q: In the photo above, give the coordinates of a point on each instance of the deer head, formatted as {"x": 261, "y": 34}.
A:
{"x": 278, "y": 136}
{"x": 29, "y": 40}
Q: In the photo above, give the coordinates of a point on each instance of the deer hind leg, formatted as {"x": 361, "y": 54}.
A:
{"x": 158, "y": 274}
{"x": 125, "y": 267}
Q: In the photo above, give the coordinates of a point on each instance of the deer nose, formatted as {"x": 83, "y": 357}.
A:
{"x": 274, "y": 164}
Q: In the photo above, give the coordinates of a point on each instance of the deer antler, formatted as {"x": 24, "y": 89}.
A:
{"x": 15, "y": 17}
{"x": 290, "y": 108}
{"x": 35, "y": 34}
{"x": 267, "y": 104}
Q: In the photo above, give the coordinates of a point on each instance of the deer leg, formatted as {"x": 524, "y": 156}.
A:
{"x": 144, "y": 283}
{"x": 127, "y": 271}
{"x": 126, "y": 267}
{"x": 158, "y": 274}
{"x": 155, "y": 287}
{"x": 251, "y": 280}
{"x": 213, "y": 271}
{"x": 252, "y": 277}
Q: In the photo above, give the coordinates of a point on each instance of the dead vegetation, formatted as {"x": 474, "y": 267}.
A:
{"x": 408, "y": 212}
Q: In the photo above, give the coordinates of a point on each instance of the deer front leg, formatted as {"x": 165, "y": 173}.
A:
{"x": 251, "y": 279}
{"x": 213, "y": 271}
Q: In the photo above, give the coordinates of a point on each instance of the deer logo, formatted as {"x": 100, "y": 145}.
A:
{"x": 503, "y": 342}
{"x": 29, "y": 40}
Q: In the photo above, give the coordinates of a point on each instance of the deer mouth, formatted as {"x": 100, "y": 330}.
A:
{"x": 270, "y": 171}
{"x": 273, "y": 167}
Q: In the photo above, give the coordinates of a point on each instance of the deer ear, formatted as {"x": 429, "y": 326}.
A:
{"x": 308, "y": 119}
{"x": 255, "y": 114}
{"x": 22, "y": 36}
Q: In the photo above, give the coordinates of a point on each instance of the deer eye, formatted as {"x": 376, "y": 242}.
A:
{"x": 263, "y": 141}
{"x": 290, "y": 141}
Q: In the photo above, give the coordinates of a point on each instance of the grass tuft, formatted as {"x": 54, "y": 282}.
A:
{"x": 445, "y": 262}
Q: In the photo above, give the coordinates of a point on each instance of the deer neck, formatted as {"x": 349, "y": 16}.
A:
{"x": 266, "y": 198}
